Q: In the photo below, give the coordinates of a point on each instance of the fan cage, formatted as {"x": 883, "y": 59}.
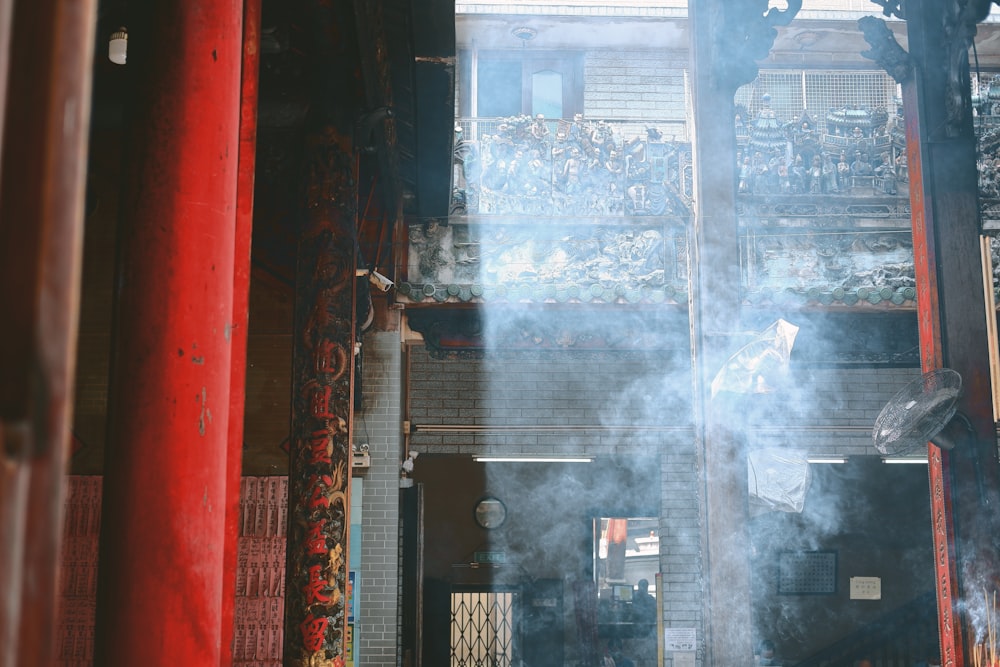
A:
{"x": 918, "y": 412}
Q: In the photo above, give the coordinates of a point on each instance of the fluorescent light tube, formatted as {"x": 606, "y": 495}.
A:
{"x": 532, "y": 459}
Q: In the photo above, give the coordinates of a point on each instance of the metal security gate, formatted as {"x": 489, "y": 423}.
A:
{"x": 484, "y": 628}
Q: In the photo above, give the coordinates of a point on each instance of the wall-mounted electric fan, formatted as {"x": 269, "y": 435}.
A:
{"x": 919, "y": 413}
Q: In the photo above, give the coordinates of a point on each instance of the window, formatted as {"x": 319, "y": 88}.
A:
{"x": 496, "y": 84}
{"x": 499, "y": 88}
{"x": 546, "y": 94}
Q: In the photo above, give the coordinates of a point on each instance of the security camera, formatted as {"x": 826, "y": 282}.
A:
{"x": 380, "y": 281}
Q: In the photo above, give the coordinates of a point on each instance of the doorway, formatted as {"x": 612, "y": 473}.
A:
{"x": 626, "y": 553}
{"x": 507, "y": 626}
{"x": 484, "y": 627}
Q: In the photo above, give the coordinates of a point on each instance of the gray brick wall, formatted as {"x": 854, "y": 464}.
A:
{"x": 378, "y": 424}
{"x": 639, "y": 85}
{"x": 630, "y": 400}
{"x": 680, "y": 540}
{"x": 827, "y": 411}
{"x": 823, "y": 411}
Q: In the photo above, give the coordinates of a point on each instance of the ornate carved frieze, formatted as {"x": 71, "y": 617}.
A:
{"x": 829, "y": 268}
{"x": 546, "y": 262}
{"x": 824, "y": 212}
{"x": 532, "y": 166}
{"x": 854, "y": 152}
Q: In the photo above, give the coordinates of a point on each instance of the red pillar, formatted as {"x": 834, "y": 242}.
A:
{"x": 164, "y": 506}
{"x": 241, "y": 307}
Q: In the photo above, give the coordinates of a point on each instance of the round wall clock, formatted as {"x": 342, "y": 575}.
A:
{"x": 490, "y": 512}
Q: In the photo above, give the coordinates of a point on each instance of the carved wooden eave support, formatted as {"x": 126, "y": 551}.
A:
{"x": 885, "y": 50}
{"x": 747, "y": 33}
{"x": 959, "y": 19}
{"x": 891, "y": 8}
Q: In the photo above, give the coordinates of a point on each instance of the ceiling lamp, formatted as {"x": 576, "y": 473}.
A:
{"x": 524, "y": 33}
{"x": 118, "y": 46}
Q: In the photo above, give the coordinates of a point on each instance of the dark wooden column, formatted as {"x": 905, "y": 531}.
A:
{"x": 727, "y": 40}
{"x": 43, "y": 171}
{"x": 322, "y": 380}
{"x": 319, "y": 478}
{"x": 164, "y": 499}
{"x": 941, "y": 151}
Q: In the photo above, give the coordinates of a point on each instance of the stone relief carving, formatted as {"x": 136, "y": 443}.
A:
{"x": 834, "y": 263}
{"x": 860, "y": 153}
{"x": 525, "y": 254}
{"x": 848, "y": 169}
{"x": 533, "y": 166}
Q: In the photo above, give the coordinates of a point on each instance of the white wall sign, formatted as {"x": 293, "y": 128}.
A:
{"x": 680, "y": 639}
{"x": 866, "y": 588}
